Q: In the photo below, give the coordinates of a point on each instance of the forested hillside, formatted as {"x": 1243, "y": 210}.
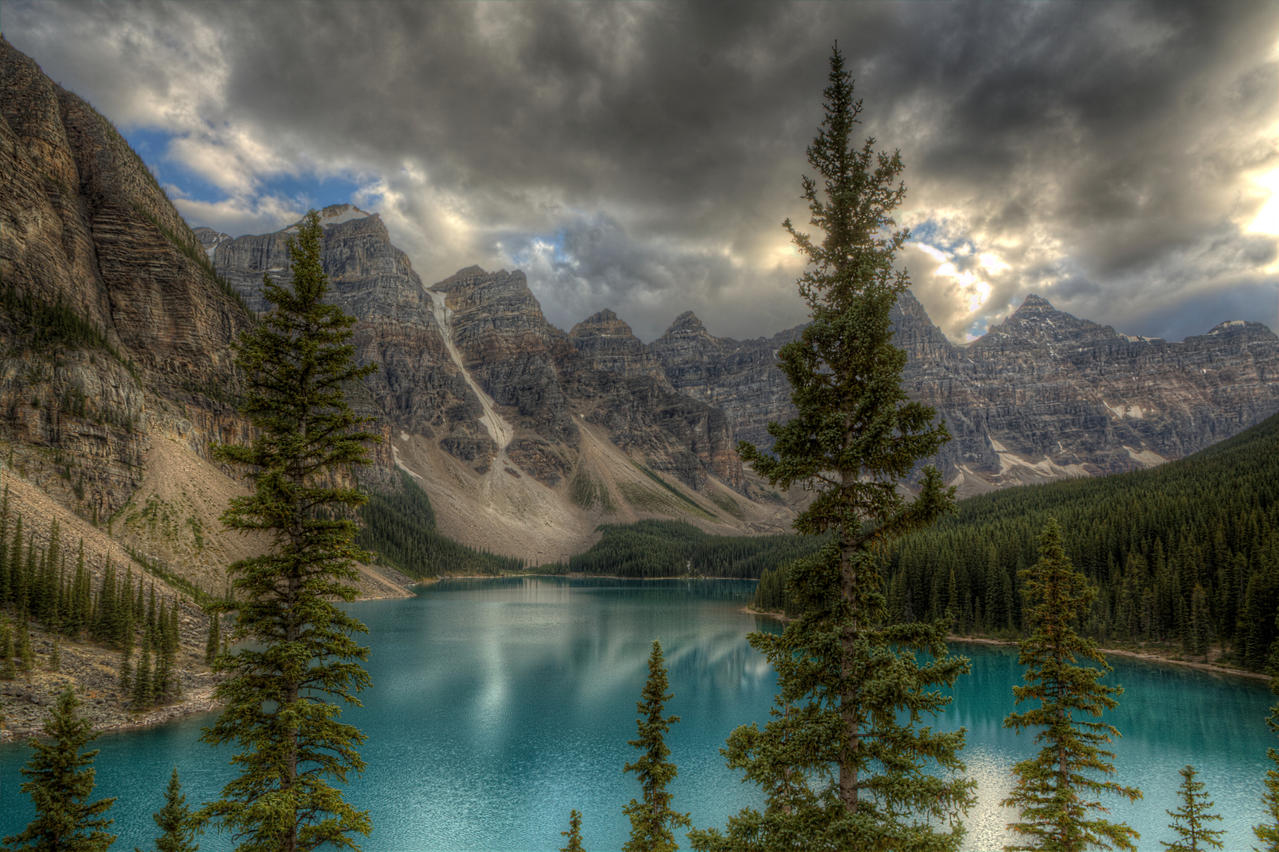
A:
{"x": 1186, "y": 554}
{"x": 399, "y": 530}
{"x": 672, "y": 548}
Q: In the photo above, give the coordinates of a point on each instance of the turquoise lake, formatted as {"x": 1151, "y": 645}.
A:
{"x": 499, "y": 705}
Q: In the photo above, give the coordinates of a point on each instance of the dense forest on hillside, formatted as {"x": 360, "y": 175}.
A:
{"x": 399, "y": 529}
{"x": 673, "y": 548}
{"x": 45, "y": 582}
{"x": 1184, "y": 554}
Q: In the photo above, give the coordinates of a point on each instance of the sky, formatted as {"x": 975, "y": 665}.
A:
{"x": 1119, "y": 159}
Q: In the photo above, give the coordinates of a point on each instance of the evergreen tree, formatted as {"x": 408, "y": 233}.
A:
{"x": 8, "y": 655}
{"x": 574, "y": 833}
{"x": 845, "y": 762}
{"x": 143, "y": 680}
{"x": 214, "y": 643}
{"x": 297, "y": 658}
{"x": 1188, "y": 820}
{"x": 175, "y": 820}
{"x": 652, "y": 820}
{"x": 1053, "y": 789}
{"x": 1268, "y": 832}
{"x": 60, "y": 782}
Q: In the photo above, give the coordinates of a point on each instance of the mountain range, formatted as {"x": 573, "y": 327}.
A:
{"x": 118, "y": 320}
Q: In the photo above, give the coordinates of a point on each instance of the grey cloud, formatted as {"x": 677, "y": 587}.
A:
{"x": 1097, "y": 143}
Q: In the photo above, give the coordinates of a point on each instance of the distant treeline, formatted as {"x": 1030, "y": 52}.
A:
{"x": 674, "y": 548}
{"x": 400, "y": 530}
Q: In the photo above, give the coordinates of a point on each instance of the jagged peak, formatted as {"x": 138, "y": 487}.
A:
{"x": 685, "y": 322}
{"x": 605, "y": 320}
{"x": 1034, "y": 302}
{"x": 336, "y": 214}
{"x": 1234, "y": 326}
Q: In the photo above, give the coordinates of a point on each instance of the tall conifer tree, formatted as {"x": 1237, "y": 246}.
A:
{"x": 574, "y": 833}
{"x": 176, "y": 823}
{"x": 60, "y": 781}
{"x": 1190, "y": 820}
{"x": 845, "y": 762}
{"x": 1054, "y": 789}
{"x": 653, "y": 821}
{"x": 297, "y": 659}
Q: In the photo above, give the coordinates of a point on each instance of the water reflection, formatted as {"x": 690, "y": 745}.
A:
{"x": 498, "y": 705}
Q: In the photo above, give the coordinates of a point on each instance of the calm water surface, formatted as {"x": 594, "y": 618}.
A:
{"x": 497, "y": 706}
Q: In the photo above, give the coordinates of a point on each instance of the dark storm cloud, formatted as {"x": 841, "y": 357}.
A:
{"x": 1096, "y": 153}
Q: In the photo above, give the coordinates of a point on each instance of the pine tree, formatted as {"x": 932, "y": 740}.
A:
{"x": 143, "y": 680}
{"x": 214, "y": 643}
{"x": 845, "y": 762}
{"x": 574, "y": 833}
{"x": 652, "y": 820}
{"x": 297, "y": 657}
{"x": 1053, "y": 789}
{"x": 1188, "y": 820}
{"x": 60, "y": 782}
{"x": 177, "y": 824}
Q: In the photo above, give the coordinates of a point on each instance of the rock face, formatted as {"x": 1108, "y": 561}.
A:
{"x": 1041, "y": 396}
{"x": 472, "y": 364}
{"x": 738, "y": 376}
{"x": 115, "y": 325}
{"x": 417, "y": 386}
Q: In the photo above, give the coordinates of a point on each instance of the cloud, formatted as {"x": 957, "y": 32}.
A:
{"x": 1121, "y": 159}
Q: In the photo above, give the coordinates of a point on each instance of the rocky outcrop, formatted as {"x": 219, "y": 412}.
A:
{"x": 1043, "y": 395}
{"x": 114, "y": 323}
{"x": 601, "y": 372}
{"x": 739, "y": 377}
{"x": 607, "y": 344}
{"x": 417, "y": 385}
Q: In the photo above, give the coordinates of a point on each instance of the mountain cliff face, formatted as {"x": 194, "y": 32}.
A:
{"x": 115, "y": 327}
{"x": 498, "y": 411}
{"x": 1041, "y": 396}
{"x": 418, "y": 385}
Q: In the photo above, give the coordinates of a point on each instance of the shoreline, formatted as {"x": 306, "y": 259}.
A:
{"x": 1145, "y": 656}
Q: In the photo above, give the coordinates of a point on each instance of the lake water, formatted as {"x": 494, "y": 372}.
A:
{"x": 497, "y": 706}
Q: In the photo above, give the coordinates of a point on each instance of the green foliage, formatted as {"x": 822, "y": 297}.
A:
{"x": 588, "y": 492}
{"x": 652, "y": 820}
{"x": 177, "y": 825}
{"x": 687, "y": 502}
{"x": 400, "y": 529}
{"x": 1268, "y": 832}
{"x": 846, "y": 762}
{"x": 574, "y": 833}
{"x": 60, "y": 782}
{"x": 1053, "y": 789}
{"x": 1146, "y": 540}
{"x": 1188, "y": 820}
{"x": 296, "y": 657}
{"x": 673, "y": 548}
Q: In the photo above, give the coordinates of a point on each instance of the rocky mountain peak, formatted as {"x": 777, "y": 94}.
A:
{"x": 686, "y": 324}
{"x": 607, "y": 343}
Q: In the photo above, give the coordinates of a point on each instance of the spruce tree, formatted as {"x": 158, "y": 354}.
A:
{"x": 214, "y": 641}
{"x": 296, "y": 660}
{"x": 60, "y": 781}
{"x": 1054, "y": 790}
{"x": 846, "y": 761}
{"x": 1188, "y": 820}
{"x": 652, "y": 819}
{"x": 574, "y": 833}
{"x": 177, "y": 824}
